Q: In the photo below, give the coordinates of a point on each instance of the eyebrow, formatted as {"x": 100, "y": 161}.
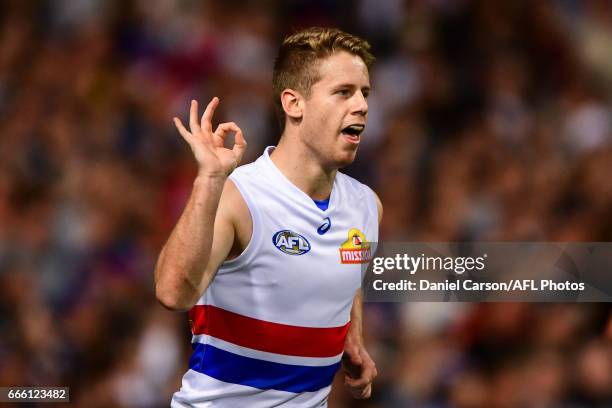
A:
{"x": 352, "y": 86}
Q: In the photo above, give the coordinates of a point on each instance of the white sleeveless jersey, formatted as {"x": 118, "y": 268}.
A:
{"x": 270, "y": 328}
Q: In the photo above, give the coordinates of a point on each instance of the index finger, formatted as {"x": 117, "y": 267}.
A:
{"x": 208, "y": 114}
{"x": 366, "y": 376}
{"x": 369, "y": 372}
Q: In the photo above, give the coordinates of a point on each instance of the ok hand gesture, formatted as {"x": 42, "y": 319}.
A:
{"x": 214, "y": 160}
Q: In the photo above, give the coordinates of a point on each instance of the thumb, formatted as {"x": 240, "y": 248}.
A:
{"x": 356, "y": 358}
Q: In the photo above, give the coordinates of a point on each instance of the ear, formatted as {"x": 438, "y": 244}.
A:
{"x": 292, "y": 103}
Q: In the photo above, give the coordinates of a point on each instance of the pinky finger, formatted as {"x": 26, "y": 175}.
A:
{"x": 184, "y": 132}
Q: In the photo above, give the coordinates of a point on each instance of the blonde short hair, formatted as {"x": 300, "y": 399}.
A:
{"x": 297, "y": 63}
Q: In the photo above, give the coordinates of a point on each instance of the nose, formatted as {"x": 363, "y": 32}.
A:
{"x": 361, "y": 104}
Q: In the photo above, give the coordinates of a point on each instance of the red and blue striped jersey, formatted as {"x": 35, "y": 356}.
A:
{"x": 270, "y": 328}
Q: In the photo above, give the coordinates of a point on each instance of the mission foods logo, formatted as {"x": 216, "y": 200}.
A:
{"x": 291, "y": 242}
{"x": 355, "y": 249}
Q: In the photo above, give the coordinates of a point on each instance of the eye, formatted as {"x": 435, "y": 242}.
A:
{"x": 344, "y": 92}
{"x": 365, "y": 93}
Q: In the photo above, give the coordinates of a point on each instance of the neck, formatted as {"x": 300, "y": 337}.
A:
{"x": 302, "y": 168}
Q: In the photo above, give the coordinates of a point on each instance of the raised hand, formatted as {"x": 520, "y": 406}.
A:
{"x": 214, "y": 159}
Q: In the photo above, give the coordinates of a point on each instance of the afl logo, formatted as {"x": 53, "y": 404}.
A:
{"x": 291, "y": 242}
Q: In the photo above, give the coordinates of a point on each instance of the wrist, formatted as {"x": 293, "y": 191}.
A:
{"x": 353, "y": 338}
{"x": 214, "y": 172}
{"x": 210, "y": 179}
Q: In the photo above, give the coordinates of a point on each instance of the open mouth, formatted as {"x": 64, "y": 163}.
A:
{"x": 352, "y": 132}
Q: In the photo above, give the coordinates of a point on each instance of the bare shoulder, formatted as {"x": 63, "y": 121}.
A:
{"x": 234, "y": 209}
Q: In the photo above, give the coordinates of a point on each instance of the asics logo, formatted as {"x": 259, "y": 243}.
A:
{"x": 325, "y": 226}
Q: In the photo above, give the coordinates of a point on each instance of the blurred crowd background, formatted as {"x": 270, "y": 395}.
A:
{"x": 489, "y": 120}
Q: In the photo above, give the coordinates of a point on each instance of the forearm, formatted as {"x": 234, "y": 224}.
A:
{"x": 180, "y": 267}
{"x": 355, "y": 333}
{"x": 360, "y": 369}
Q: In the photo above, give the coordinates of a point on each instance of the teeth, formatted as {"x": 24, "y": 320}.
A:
{"x": 354, "y": 130}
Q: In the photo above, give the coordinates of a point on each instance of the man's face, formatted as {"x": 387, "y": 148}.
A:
{"x": 335, "y": 113}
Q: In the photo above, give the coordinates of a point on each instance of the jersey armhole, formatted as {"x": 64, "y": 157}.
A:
{"x": 373, "y": 207}
{"x": 246, "y": 256}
